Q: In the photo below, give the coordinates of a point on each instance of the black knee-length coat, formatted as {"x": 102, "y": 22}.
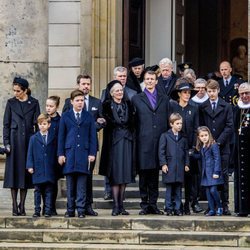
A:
{"x": 19, "y": 124}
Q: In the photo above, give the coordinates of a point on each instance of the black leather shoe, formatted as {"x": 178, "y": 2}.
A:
{"x": 242, "y": 215}
{"x": 226, "y": 211}
{"x": 123, "y": 211}
{"x": 36, "y": 214}
{"x": 197, "y": 209}
{"x": 47, "y": 215}
{"x": 115, "y": 211}
{"x": 156, "y": 211}
{"x": 107, "y": 196}
{"x": 69, "y": 215}
{"x": 169, "y": 212}
{"x": 54, "y": 212}
{"x": 177, "y": 213}
{"x": 21, "y": 210}
{"x": 187, "y": 212}
{"x": 81, "y": 215}
{"x": 143, "y": 212}
{"x": 91, "y": 212}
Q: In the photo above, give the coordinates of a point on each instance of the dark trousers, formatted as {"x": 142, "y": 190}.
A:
{"x": 76, "y": 192}
{"x": 148, "y": 185}
{"x": 225, "y": 186}
{"x": 43, "y": 190}
{"x": 107, "y": 185}
{"x": 173, "y": 196}
{"x": 213, "y": 197}
{"x": 89, "y": 187}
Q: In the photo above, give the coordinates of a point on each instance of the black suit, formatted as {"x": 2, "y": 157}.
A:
{"x": 220, "y": 123}
{"x": 95, "y": 109}
{"x": 166, "y": 86}
{"x": 150, "y": 124}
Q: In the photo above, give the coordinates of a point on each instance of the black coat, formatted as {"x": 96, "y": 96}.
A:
{"x": 134, "y": 83}
{"x": 112, "y": 134}
{"x": 174, "y": 154}
{"x": 18, "y": 126}
{"x": 242, "y": 161}
{"x": 150, "y": 124}
{"x": 166, "y": 89}
{"x": 190, "y": 116}
{"x": 230, "y": 93}
{"x": 220, "y": 122}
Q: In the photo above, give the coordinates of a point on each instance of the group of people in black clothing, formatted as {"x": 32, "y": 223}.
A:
{"x": 187, "y": 128}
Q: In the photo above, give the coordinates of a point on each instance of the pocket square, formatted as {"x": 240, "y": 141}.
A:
{"x": 94, "y": 108}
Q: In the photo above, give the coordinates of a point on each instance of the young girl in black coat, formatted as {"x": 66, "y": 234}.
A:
{"x": 211, "y": 169}
{"x": 52, "y": 104}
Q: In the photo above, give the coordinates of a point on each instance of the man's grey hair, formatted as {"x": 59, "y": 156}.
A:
{"x": 120, "y": 69}
{"x": 165, "y": 62}
{"x": 200, "y": 81}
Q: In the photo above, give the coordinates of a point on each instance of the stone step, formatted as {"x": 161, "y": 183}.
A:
{"x": 225, "y": 239}
{"x": 66, "y": 246}
{"x": 194, "y": 223}
{"x": 129, "y": 203}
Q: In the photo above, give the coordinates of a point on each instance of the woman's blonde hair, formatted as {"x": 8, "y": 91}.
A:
{"x": 199, "y": 143}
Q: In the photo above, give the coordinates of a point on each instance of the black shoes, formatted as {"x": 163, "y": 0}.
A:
{"x": 197, "y": 209}
{"x": 91, "y": 212}
{"x": 115, "y": 211}
{"x": 169, "y": 212}
{"x": 21, "y": 210}
{"x": 177, "y": 213}
{"x": 36, "y": 215}
{"x": 47, "y": 215}
{"x": 156, "y": 211}
{"x": 69, "y": 215}
{"x": 81, "y": 215}
{"x": 143, "y": 212}
{"x": 123, "y": 211}
{"x": 107, "y": 196}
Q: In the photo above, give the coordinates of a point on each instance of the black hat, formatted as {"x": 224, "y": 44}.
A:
{"x": 183, "y": 86}
{"x": 136, "y": 62}
{"x": 152, "y": 68}
{"x": 108, "y": 88}
{"x": 185, "y": 65}
{"x": 21, "y": 81}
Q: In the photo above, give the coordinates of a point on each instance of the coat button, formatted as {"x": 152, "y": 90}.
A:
{"x": 213, "y": 121}
{"x": 78, "y": 136}
{"x": 154, "y": 126}
{"x": 213, "y": 129}
{"x": 78, "y": 145}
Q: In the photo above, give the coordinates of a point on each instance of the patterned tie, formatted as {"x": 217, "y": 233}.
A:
{"x": 44, "y": 139}
{"x": 226, "y": 83}
{"x": 78, "y": 117}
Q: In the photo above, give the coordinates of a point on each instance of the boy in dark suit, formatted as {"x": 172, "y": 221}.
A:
{"x": 174, "y": 159}
{"x": 94, "y": 106}
{"x": 77, "y": 147}
{"x": 217, "y": 115}
{"x": 41, "y": 160}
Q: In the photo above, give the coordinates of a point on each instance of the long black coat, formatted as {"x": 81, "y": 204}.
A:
{"x": 174, "y": 154}
{"x": 161, "y": 85}
{"x": 242, "y": 161}
{"x": 18, "y": 126}
{"x": 114, "y": 132}
{"x": 190, "y": 116}
{"x": 220, "y": 122}
{"x": 133, "y": 82}
{"x": 150, "y": 124}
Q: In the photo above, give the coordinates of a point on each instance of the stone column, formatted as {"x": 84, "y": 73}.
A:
{"x": 24, "y": 48}
{"x": 106, "y": 37}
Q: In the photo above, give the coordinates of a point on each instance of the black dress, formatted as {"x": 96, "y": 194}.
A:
{"x": 117, "y": 159}
{"x": 19, "y": 124}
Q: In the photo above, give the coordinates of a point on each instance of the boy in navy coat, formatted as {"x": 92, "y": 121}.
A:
{"x": 174, "y": 160}
{"x": 41, "y": 160}
{"x": 77, "y": 146}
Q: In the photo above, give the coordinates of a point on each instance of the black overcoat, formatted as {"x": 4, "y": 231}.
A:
{"x": 166, "y": 90}
{"x": 220, "y": 122}
{"x": 174, "y": 154}
{"x": 150, "y": 124}
{"x": 18, "y": 126}
{"x": 190, "y": 116}
{"x": 111, "y": 136}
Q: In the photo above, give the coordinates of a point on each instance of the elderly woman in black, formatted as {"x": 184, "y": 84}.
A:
{"x": 117, "y": 158}
{"x": 19, "y": 122}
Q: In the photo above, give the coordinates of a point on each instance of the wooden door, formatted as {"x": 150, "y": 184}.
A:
{"x": 133, "y": 29}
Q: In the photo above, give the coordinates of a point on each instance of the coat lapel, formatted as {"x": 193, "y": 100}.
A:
{"x": 158, "y": 101}
{"x": 16, "y": 107}
{"x": 30, "y": 106}
{"x": 145, "y": 99}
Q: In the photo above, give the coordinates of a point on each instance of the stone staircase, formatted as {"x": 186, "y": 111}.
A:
{"x": 121, "y": 232}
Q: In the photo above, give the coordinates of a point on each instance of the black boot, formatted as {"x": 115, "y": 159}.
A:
{"x": 21, "y": 206}
{"x": 14, "y": 202}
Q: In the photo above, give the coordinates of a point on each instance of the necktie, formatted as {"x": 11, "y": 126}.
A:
{"x": 213, "y": 106}
{"x": 226, "y": 83}
{"x": 85, "y": 104}
{"x": 78, "y": 117}
{"x": 44, "y": 139}
{"x": 176, "y": 137}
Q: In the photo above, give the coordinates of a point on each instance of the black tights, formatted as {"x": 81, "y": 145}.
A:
{"x": 23, "y": 193}
{"x": 118, "y": 195}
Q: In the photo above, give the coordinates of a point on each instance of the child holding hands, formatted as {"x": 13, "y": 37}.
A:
{"x": 174, "y": 160}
